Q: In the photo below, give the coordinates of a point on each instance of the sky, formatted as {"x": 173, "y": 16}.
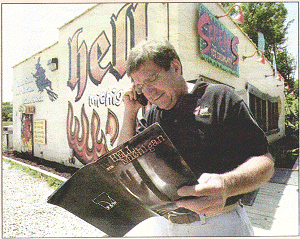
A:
{"x": 30, "y": 28}
{"x": 293, "y": 33}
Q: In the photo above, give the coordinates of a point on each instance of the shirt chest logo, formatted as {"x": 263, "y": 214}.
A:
{"x": 202, "y": 112}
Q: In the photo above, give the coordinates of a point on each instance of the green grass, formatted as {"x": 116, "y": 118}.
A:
{"x": 53, "y": 183}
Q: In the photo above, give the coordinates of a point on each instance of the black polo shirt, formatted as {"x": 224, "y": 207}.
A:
{"x": 212, "y": 128}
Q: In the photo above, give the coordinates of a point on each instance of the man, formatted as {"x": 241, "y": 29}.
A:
{"x": 213, "y": 131}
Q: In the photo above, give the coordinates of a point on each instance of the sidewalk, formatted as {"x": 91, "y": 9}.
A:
{"x": 26, "y": 213}
{"x": 275, "y": 211}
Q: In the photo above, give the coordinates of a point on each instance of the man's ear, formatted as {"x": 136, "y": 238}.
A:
{"x": 177, "y": 66}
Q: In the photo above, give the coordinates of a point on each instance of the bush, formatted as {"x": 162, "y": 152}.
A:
{"x": 7, "y": 111}
{"x": 286, "y": 150}
{"x": 291, "y": 113}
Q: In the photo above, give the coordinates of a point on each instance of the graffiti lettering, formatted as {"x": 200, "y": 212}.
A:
{"x": 110, "y": 97}
{"x": 138, "y": 32}
{"x": 32, "y": 99}
{"x": 83, "y": 64}
{"x": 78, "y": 65}
{"x": 24, "y": 81}
{"x": 82, "y": 151}
{"x": 98, "y": 50}
{"x": 25, "y": 89}
{"x": 78, "y": 141}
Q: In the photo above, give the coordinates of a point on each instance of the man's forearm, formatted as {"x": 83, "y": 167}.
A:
{"x": 249, "y": 176}
{"x": 128, "y": 128}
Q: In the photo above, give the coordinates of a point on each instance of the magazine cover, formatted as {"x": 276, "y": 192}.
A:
{"x": 134, "y": 181}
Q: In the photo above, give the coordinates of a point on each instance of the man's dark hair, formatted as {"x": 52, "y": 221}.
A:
{"x": 160, "y": 52}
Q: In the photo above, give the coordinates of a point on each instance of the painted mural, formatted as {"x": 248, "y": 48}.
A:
{"x": 86, "y": 63}
{"x": 42, "y": 82}
{"x": 80, "y": 131}
{"x": 106, "y": 98}
{"x": 34, "y": 83}
{"x": 26, "y": 134}
{"x": 112, "y": 127}
{"x": 129, "y": 27}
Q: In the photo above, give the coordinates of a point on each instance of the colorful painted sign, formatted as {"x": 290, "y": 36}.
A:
{"x": 26, "y": 134}
{"x": 30, "y": 109}
{"x": 218, "y": 45}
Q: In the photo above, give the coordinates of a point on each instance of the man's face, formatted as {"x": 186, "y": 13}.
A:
{"x": 162, "y": 88}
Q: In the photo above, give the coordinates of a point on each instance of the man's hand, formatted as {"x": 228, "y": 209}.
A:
{"x": 132, "y": 107}
{"x": 210, "y": 192}
{"x": 130, "y": 100}
{"x": 213, "y": 189}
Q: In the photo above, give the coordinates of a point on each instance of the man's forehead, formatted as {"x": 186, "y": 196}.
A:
{"x": 148, "y": 65}
{"x": 145, "y": 71}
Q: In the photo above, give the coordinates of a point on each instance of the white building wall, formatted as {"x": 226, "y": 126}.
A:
{"x": 176, "y": 22}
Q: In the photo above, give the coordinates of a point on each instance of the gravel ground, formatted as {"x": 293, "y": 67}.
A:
{"x": 26, "y": 213}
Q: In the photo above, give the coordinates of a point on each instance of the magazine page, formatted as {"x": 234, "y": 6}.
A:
{"x": 149, "y": 167}
{"x": 94, "y": 196}
{"x": 136, "y": 180}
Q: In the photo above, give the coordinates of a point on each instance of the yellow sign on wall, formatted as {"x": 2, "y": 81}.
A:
{"x": 39, "y": 131}
{"x": 30, "y": 109}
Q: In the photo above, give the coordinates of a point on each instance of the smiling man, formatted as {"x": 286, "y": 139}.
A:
{"x": 213, "y": 131}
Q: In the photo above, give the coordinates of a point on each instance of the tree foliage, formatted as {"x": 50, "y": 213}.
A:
{"x": 286, "y": 65}
{"x": 7, "y": 111}
{"x": 286, "y": 150}
{"x": 292, "y": 109}
{"x": 269, "y": 18}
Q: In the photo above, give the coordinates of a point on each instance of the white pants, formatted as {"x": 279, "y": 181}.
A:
{"x": 234, "y": 223}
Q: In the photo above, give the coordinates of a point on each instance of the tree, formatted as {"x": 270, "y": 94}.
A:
{"x": 269, "y": 18}
{"x": 292, "y": 110}
{"x": 7, "y": 111}
{"x": 286, "y": 65}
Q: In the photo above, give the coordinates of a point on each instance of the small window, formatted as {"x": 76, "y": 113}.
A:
{"x": 265, "y": 112}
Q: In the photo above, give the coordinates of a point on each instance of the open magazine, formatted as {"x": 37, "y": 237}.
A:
{"x": 134, "y": 181}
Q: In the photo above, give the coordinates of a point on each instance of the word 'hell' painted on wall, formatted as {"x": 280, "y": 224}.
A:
{"x": 84, "y": 63}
